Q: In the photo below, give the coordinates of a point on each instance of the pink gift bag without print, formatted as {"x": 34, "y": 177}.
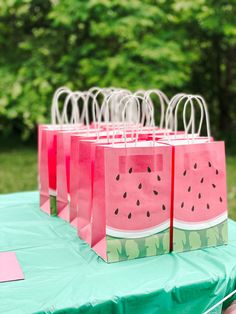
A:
{"x": 47, "y": 152}
{"x": 63, "y": 169}
{"x": 47, "y": 171}
{"x": 75, "y": 173}
{"x": 47, "y": 168}
{"x": 131, "y": 200}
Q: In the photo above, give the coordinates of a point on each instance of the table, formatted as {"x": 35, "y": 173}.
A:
{"x": 63, "y": 275}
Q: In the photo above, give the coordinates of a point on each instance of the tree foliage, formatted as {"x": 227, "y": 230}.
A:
{"x": 173, "y": 45}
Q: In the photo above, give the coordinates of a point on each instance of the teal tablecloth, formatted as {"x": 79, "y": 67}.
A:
{"x": 63, "y": 275}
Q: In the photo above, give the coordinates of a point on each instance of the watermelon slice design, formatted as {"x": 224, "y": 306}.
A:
{"x": 200, "y": 201}
{"x": 138, "y": 203}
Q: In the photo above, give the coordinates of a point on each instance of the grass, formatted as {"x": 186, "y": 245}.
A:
{"x": 18, "y": 172}
{"x": 18, "y": 169}
{"x": 231, "y": 187}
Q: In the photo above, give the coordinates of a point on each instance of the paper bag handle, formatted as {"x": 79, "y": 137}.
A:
{"x": 55, "y": 113}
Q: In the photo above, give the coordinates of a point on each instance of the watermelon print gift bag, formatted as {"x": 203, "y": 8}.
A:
{"x": 199, "y": 187}
{"x": 131, "y": 200}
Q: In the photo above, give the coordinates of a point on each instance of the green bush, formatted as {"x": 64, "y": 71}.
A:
{"x": 174, "y": 45}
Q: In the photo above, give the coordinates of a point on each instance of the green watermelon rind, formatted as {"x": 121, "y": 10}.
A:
{"x": 121, "y": 249}
{"x": 188, "y": 240}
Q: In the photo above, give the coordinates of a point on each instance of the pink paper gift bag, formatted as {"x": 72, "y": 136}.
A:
{"x": 131, "y": 200}
{"x": 85, "y": 182}
{"x": 47, "y": 168}
{"x": 80, "y": 184}
{"x": 63, "y": 168}
{"x": 200, "y": 198}
{"x": 80, "y": 181}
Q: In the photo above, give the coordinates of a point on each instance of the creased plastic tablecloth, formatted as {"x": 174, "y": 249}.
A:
{"x": 63, "y": 275}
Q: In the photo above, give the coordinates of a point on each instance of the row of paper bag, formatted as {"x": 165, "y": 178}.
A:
{"x": 130, "y": 186}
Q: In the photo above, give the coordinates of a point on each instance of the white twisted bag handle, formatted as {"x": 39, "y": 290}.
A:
{"x": 106, "y": 114}
{"x": 71, "y": 99}
{"x": 192, "y": 100}
{"x": 139, "y": 100}
{"x": 169, "y": 120}
{"x": 55, "y": 112}
{"x": 164, "y": 101}
{"x": 173, "y": 107}
{"x": 111, "y": 107}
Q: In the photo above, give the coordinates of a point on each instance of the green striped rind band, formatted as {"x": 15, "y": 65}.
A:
{"x": 120, "y": 249}
{"x": 188, "y": 240}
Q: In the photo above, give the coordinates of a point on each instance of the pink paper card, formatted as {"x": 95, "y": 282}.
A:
{"x": 10, "y": 269}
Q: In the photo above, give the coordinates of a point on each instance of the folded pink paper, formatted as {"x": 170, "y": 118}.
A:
{"x": 10, "y": 269}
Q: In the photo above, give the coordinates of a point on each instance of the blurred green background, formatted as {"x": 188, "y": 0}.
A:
{"x": 172, "y": 45}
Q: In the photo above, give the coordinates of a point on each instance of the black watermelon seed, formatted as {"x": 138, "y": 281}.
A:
{"x": 221, "y": 200}
{"x": 155, "y": 192}
{"x": 138, "y": 202}
{"x": 209, "y": 164}
{"x": 149, "y": 169}
{"x": 125, "y": 195}
{"x": 214, "y": 186}
{"x": 140, "y": 186}
{"x": 116, "y": 211}
{"x": 195, "y": 166}
{"x": 158, "y": 178}
{"x": 217, "y": 171}
{"x": 182, "y": 204}
{"x": 185, "y": 172}
{"x": 208, "y": 206}
{"x": 129, "y": 216}
{"x": 118, "y": 177}
{"x": 163, "y": 207}
{"x": 148, "y": 214}
{"x": 202, "y": 179}
{"x": 189, "y": 188}
{"x": 199, "y": 195}
{"x": 192, "y": 209}
{"x": 130, "y": 170}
